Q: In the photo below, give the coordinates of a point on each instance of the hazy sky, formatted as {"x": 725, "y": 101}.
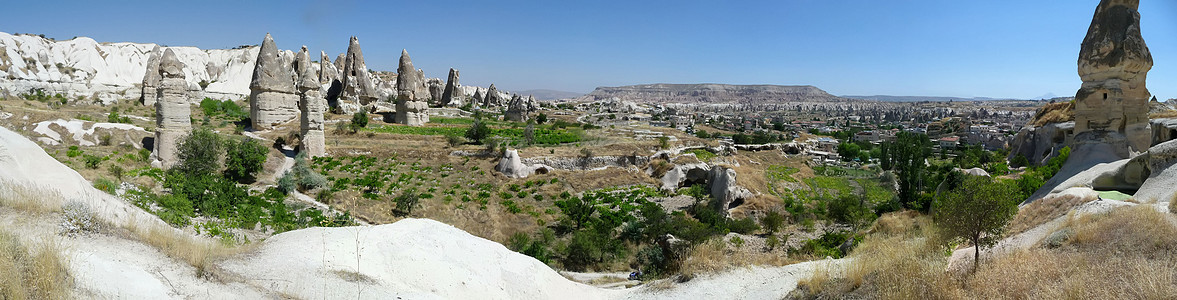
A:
{"x": 1006, "y": 48}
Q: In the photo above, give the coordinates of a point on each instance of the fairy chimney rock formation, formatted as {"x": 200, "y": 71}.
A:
{"x": 151, "y": 78}
{"x": 517, "y": 110}
{"x": 411, "y": 108}
{"x": 311, "y": 104}
{"x": 357, "y": 88}
{"x": 452, "y": 96}
{"x": 272, "y": 97}
{"x": 1113, "y": 63}
{"x": 173, "y": 115}
{"x": 492, "y": 97}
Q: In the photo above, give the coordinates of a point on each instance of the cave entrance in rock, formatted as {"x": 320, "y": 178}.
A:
{"x": 695, "y": 176}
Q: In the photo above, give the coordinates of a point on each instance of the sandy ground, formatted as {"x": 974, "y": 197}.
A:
{"x": 744, "y": 283}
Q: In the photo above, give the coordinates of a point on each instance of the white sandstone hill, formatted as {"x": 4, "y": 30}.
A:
{"x": 108, "y": 72}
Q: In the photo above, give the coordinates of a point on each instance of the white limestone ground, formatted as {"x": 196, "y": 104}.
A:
{"x": 81, "y": 131}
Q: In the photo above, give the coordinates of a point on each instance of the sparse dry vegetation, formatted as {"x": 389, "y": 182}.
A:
{"x": 1054, "y": 113}
{"x": 1126, "y": 253}
{"x": 32, "y": 271}
{"x": 718, "y": 255}
{"x": 1042, "y": 211}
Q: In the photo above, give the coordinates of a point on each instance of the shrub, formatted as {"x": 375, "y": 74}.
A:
{"x": 106, "y": 185}
{"x": 453, "y": 140}
{"x": 360, "y": 119}
{"x": 116, "y": 171}
{"x": 406, "y": 201}
{"x": 199, "y": 153}
{"x": 743, "y": 226}
{"x": 75, "y": 152}
{"x": 92, "y": 161}
{"x": 541, "y": 118}
{"x": 243, "y": 159}
{"x": 772, "y": 221}
{"x": 105, "y": 139}
{"x": 286, "y": 183}
{"x": 78, "y": 218}
{"x": 478, "y": 131}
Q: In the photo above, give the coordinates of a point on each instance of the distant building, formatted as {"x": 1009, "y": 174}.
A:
{"x": 866, "y": 136}
{"x": 949, "y": 142}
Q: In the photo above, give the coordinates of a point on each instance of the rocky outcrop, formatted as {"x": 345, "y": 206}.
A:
{"x": 493, "y": 98}
{"x": 151, "y": 78}
{"x": 711, "y": 93}
{"x": 452, "y": 95}
{"x": 173, "y": 114}
{"x": 110, "y": 72}
{"x": 436, "y": 89}
{"x": 1041, "y": 143}
{"x": 723, "y": 188}
{"x": 329, "y": 74}
{"x": 1163, "y": 130}
{"x": 311, "y": 106}
{"x": 1113, "y": 63}
{"x": 411, "y": 106}
{"x": 512, "y": 166}
{"x": 518, "y": 110}
{"x": 273, "y": 99}
{"x": 357, "y": 87}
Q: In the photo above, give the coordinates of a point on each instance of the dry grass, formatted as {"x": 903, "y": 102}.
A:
{"x": 27, "y": 273}
{"x": 1054, "y": 113}
{"x": 1124, "y": 254}
{"x": 29, "y": 199}
{"x": 1042, "y": 211}
{"x": 198, "y": 252}
{"x": 1163, "y": 114}
{"x": 714, "y": 256}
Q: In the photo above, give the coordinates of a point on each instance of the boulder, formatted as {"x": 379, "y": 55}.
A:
{"x": 273, "y": 99}
{"x": 512, "y": 165}
{"x": 1163, "y": 130}
{"x": 173, "y": 114}
{"x": 722, "y": 186}
{"x": 151, "y": 78}
{"x": 1113, "y": 63}
{"x": 686, "y": 174}
{"x": 452, "y": 95}
{"x": 311, "y": 106}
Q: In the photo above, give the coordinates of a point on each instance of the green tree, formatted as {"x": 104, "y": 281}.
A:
{"x": 702, "y": 134}
{"x": 908, "y": 157}
{"x": 541, "y": 118}
{"x": 243, "y": 159}
{"x": 478, "y": 131}
{"x": 199, "y": 153}
{"x": 977, "y": 211}
{"x": 360, "y": 119}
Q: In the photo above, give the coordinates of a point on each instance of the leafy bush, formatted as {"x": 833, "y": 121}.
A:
{"x": 772, "y": 221}
{"x": 92, "y": 161}
{"x": 199, "y": 153}
{"x": 478, "y": 131}
{"x": 227, "y": 108}
{"x": 406, "y": 201}
{"x": 106, "y": 185}
{"x": 73, "y": 151}
{"x": 243, "y": 159}
{"x": 360, "y": 119}
{"x": 114, "y": 117}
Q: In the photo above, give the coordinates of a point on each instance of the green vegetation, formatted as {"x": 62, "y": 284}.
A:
{"x": 702, "y": 154}
{"x": 977, "y": 211}
{"x": 226, "y": 109}
{"x": 243, "y": 159}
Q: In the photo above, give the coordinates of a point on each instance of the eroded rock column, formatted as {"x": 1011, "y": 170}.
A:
{"x": 272, "y": 99}
{"x": 173, "y": 115}
{"x": 1113, "y": 63}
{"x": 311, "y": 104}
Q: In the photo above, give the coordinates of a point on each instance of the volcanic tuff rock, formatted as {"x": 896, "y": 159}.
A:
{"x": 358, "y": 89}
{"x": 151, "y": 78}
{"x": 493, "y": 98}
{"x": 108, "y": 72}
{"x": 436, "y": 89}
{"x": 711, "y": 93}
{"x": 311, "y": 106}
{"x": 452, "y": 96}
{"x": 1113, "y": 63}
{"x": 518, "y": 109}
{"x": 411, "y": 108}
{"x": 273, "y": 98}
{"x": 173, "y": 114}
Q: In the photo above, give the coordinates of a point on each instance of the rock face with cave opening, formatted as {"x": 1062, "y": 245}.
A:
{"x": 357, "y": 89}
{"x": 1113, "y": 63}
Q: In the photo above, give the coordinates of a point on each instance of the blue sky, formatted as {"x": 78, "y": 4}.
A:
{"x": 993, "y": 48}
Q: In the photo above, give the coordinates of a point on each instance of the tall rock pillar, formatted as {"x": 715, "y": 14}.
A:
{"x": 312, "y": 105}
{"x": 173, "y": 113}
{"x": 272, "y": 98}
{"x": 1113, "y": 63}
{"x": 151, "y": 78}
{"x": 411, "y": 106}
